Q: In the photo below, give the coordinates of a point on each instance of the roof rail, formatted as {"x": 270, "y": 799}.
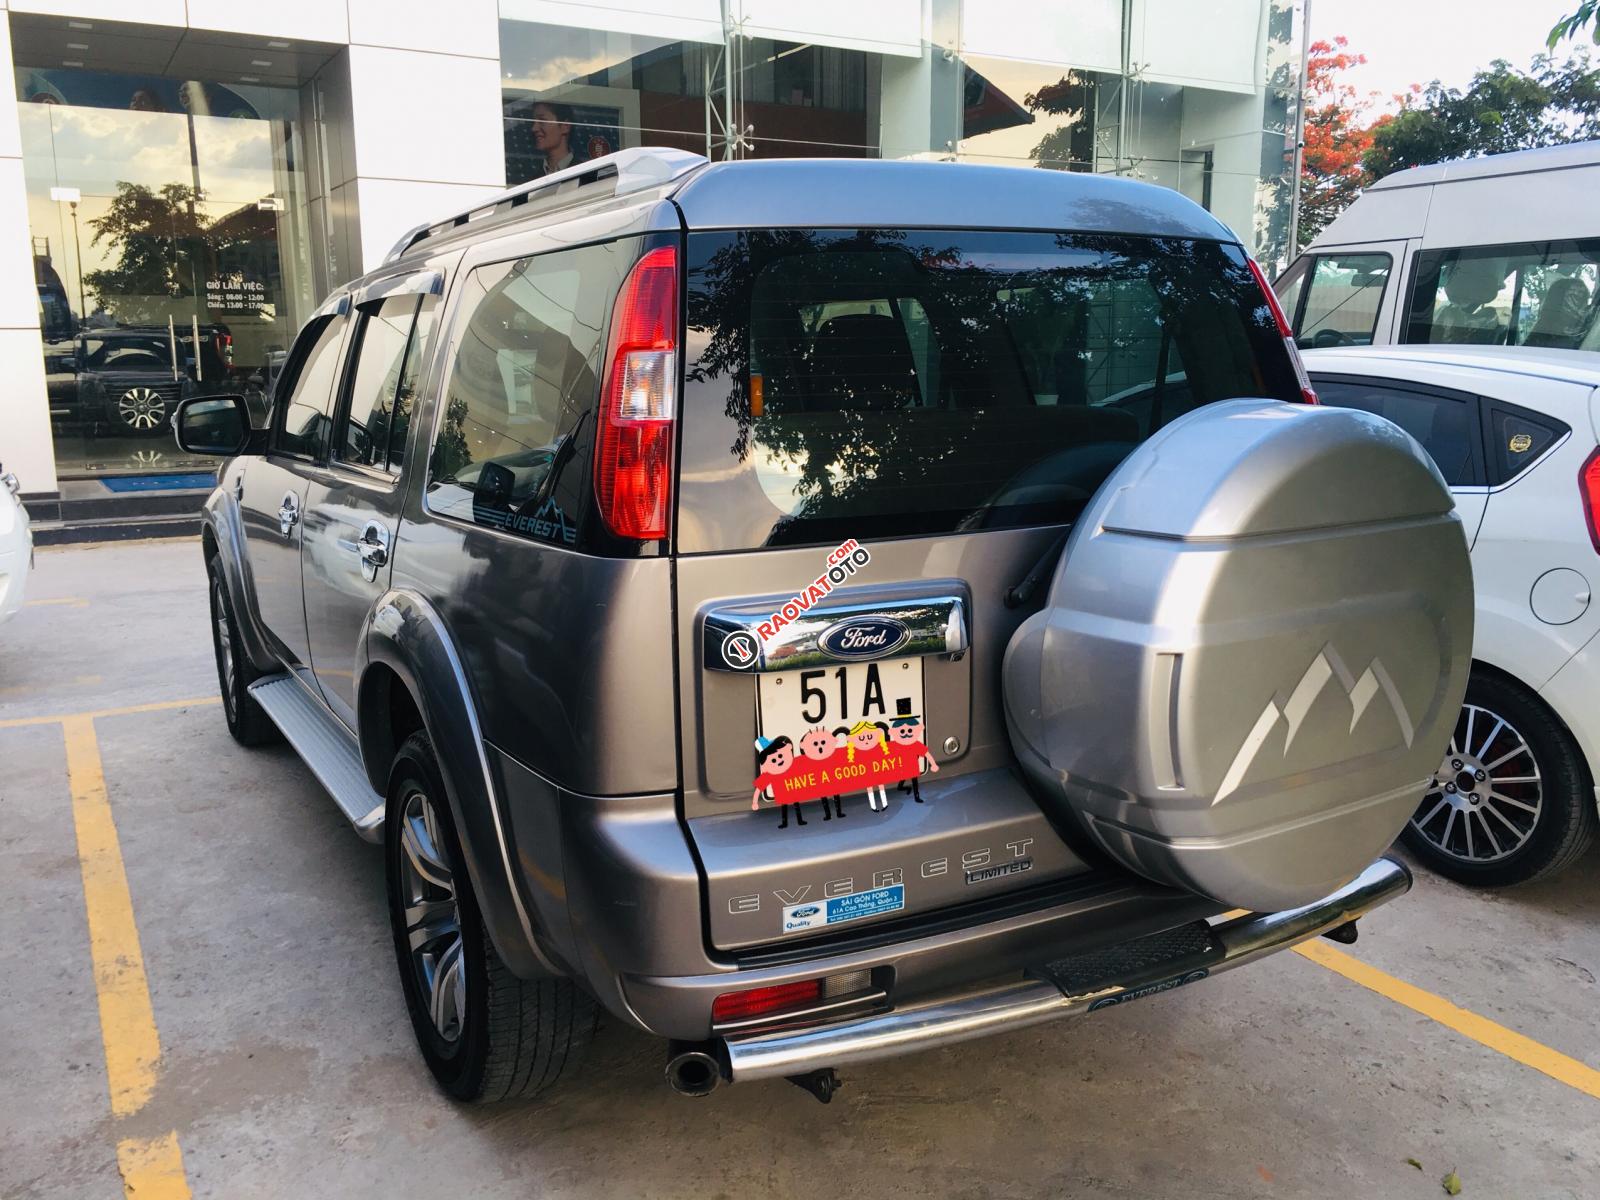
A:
{"x": 634, "y": 170}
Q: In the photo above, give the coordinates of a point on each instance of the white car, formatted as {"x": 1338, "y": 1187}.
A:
{"x": 16, "y": 546}
{"x": 1514, "y": 433}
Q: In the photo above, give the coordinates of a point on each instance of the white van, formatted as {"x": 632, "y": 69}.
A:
{"x": 1495, "y": 251}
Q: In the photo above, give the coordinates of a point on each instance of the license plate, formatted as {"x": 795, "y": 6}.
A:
{"x": 793, "y": 702}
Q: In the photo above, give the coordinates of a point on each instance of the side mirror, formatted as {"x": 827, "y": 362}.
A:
{"x": 217, "y": 425}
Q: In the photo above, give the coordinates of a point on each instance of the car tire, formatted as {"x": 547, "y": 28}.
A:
{"x": 247, "y": 721}
{"x": 486, "y": 1034}
{"x": 1530, "y": 790}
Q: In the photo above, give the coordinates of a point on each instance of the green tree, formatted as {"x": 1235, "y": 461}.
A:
{"x": 1071, "y": 146}
{"x": 1588, "y": 13}
{"x": 1502, "y": 109}
{"x": 164, "y": 248}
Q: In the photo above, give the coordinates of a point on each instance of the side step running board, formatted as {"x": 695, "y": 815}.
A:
{"x": 327, "y": 747}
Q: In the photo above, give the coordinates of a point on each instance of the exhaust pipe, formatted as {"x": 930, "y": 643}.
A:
{"x": 693, "y": 1068}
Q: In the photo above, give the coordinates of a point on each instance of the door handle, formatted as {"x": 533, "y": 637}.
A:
{"x": 372, "y": 550}
{"x": 288, "y": 513}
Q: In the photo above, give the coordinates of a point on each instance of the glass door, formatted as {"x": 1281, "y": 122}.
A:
{"x": 170, "y": 253}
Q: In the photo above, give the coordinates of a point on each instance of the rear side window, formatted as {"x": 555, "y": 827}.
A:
{"x": 306, "y": 390}
{"x": 1444, "y": 423}
{"x": 893, "y": 383}
{"x": 511, "y": 450}
{"x": 1342, "y": 297}
{"x": 1517, "y": 438}
{"x": 1542, "y": 294}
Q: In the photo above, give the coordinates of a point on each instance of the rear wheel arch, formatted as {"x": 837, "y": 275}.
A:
{"x": 1487, "y": 669}
{"x": 409, "y": 679}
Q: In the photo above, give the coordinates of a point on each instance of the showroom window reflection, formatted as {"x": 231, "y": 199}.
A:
{"x": 169, "y": 249}
{"x": 571, "y": 95}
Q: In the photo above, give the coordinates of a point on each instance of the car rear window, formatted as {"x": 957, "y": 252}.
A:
{"x": 885, "y": 383}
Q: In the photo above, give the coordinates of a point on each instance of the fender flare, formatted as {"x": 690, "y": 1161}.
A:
{"x": 405, "y": 633}
{"x": 226, "y": 525}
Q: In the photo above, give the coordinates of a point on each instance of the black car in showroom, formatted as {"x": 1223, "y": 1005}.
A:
{"x": 129, "y": 378}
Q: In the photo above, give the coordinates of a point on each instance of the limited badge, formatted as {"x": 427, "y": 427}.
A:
{"x": 1521, "y": 443}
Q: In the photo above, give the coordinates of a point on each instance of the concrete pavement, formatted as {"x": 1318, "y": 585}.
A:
{"x": 286, "y": 1065}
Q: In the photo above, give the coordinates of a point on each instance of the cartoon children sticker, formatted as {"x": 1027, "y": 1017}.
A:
{"x": 774, "y": 756}
{"x": 866, "y": 756}
{"x": 905, "y": 732}
{"x": 818, "y": 746}
{"x": 865, "y": 742}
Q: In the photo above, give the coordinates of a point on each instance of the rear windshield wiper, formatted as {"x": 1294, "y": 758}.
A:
{"x": 1023, "y": 591}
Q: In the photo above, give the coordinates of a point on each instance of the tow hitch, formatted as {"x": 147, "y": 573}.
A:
{"x": 821, "y": 1083}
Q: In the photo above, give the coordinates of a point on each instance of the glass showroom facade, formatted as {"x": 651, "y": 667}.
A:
{"x": 170, "y": 251}
{"x": 190, "y": 194}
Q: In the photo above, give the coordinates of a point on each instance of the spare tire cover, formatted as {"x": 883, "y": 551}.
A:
{"x": 1253, "y": 653}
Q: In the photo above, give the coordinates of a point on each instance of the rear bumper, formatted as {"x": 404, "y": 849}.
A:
{"x": 960, "y": 1017}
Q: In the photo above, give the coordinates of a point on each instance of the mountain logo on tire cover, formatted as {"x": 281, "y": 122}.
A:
{"x": 1326, "y": 666}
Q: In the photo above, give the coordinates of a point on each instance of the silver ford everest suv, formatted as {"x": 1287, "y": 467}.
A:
{"x": 817, "y": 610}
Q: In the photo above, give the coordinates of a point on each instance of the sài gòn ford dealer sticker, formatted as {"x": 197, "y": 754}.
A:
{"x": 850, "y": 907}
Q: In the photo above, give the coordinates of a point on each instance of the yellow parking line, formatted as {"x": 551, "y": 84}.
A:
{"x": 94, "y": 713}
{"x": 152, "y": 1167}
{"x": 65, "y": 601}
{"x": 1469, "y": 1024}
{"x": 127, "y": 1020}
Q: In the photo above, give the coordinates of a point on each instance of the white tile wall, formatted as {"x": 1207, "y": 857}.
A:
{"x": 884, "y": 26}
{"x": 290, "y": 20}
{"x": 25, "y": 446}
{"x": 472, "y": 28}
{"x": 430, "y": 117}
{"x": 696, "y": 20}
{"x": 389, "y": 207}
{"x": 150, "y": 12}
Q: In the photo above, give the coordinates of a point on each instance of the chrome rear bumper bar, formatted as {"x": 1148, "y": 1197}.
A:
{"x": 950, "y": 1019}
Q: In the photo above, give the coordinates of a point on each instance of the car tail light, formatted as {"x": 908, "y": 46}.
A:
{"x": 736, "y": 1006}
{"x": 784, "y": 997}
{"x": 1589, "y": 489}
{"x": 639, "y": 401}
{"x": 1307, "y": 392}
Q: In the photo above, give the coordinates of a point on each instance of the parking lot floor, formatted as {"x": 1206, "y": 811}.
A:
{"x": 199, "y": 998}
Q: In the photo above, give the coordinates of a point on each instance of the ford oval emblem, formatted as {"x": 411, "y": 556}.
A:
{"x": 809, "y": 910}
{"x": 863, "y": 637}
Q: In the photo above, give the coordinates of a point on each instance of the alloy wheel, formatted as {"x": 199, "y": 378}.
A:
{"x": 432, "y": 917}
{"x": 141, "y": 408}
{"x": 226, "y": 666}
{"x": 1484, "y": 801}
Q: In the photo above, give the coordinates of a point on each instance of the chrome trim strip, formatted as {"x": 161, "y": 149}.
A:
{"x": 934, "y": 625}
{"x": 947, "y": 1020}
{"x": 417, "y": 283}
{"x": 338, "y": 305}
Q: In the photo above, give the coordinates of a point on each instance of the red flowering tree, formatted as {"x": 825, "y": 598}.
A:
{"x": 1338, "y": 134}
